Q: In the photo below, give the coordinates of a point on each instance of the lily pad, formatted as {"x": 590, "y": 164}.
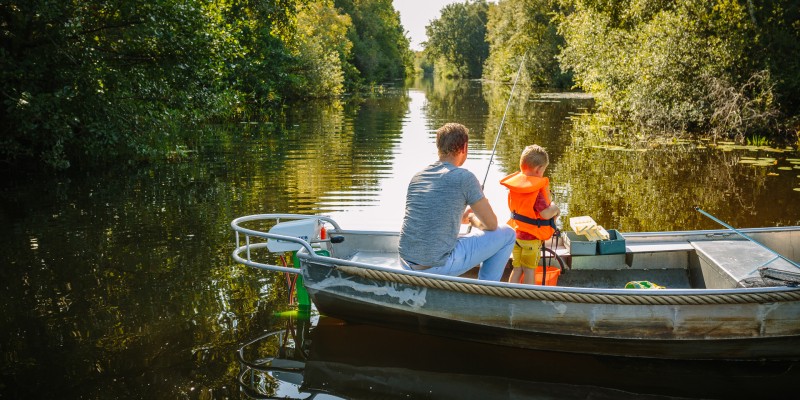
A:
{"x": 758, "y": 162}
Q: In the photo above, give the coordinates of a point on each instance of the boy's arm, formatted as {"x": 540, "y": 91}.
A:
{"x": 547, "y": 211}
{"x": 551, "y": 211}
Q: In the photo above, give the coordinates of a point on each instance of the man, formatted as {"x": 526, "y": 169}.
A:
{"x": 435, "y": 207}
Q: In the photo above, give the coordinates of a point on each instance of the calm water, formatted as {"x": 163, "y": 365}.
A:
{"x": 120, "y": 283}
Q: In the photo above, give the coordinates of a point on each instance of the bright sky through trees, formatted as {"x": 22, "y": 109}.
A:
{"x": 415, "y": 14}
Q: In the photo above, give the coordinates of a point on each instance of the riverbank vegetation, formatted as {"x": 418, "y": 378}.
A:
{"x": 727, "y": 69}
{"x": 123, "y": 80}
{"x": 720, "y": 69}
{"x": 724, "y": 69}
{"x": 130, "y": 80}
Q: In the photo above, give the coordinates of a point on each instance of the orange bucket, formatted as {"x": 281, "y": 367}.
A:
{"x": 552, "y": 276}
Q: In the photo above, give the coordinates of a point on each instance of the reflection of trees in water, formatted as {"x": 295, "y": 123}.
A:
{"x": 340, "y": 150}
{"x": 533, "y": 117}
{"x": 317, "y": 149}
{"x": 656, "y": 189}
{"x": 132, "y": 279}
{"x": 275, "y": 359}
{"x": 456, "y": 100}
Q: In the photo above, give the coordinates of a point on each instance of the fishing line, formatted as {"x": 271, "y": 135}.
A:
{"x": 500, "y": 129}
{"x": 503, "y": 120}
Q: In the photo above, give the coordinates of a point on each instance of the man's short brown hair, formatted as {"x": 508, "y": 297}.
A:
{"x": 451, "y": 138}
{"x": 534, "y": 156}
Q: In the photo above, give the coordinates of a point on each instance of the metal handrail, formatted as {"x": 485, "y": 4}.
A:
{"x": 308, "y": 253}
{"x": 248, "y": 246}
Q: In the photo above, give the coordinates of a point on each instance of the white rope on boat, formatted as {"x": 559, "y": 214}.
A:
{"x": 533, "y": 294}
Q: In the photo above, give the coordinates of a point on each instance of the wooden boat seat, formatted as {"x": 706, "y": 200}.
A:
{"x": 734, "y": 263}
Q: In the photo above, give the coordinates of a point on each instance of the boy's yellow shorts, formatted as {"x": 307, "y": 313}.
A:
{"x": 526, "y": 253}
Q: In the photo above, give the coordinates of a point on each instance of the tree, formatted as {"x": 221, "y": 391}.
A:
{"x": 457, "y": 39}
{"x": 109, "y": 80}
{"x": 322, "y": 48}
{"x": 130, "y": 80}
{"x": 524, "y": 28}
{"x": 671, "y": 66}
{"x": 381, "y": 49}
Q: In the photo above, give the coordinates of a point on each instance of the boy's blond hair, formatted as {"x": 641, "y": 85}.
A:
{"x": 533, "y": 156}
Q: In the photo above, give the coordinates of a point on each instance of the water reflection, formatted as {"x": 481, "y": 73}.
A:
{"x": 358, "y": 361}
{"x": 655, "y": 189}
{"x": 119, "y": 282}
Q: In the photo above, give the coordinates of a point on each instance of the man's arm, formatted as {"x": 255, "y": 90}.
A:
{"x": 481, "y": 215}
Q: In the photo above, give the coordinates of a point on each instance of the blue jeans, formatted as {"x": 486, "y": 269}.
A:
{"x": 491, "y": 249}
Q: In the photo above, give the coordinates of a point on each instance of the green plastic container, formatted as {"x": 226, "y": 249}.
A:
{"x": 578, "y": 245}
{"x": 303, "y": 299}
{"x": 614, "y": 245}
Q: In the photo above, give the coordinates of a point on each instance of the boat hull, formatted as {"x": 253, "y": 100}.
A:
{"x": 653, "y": 326}
{"x": 729, "y": 295}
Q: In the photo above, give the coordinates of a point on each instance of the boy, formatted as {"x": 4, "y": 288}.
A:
{"x": 532, "y": 213}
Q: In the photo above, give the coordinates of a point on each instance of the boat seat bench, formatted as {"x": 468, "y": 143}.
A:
{"x": 637, "y": 256}
{"x": 385, "y": 259}
{"x": 723, "y": 264}
{"x": 732, "y": 263}
{"x": 664, "y": 263}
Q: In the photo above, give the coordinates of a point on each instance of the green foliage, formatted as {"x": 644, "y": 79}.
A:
{"x": 422, "y": 63}
{"x": 380, "y": 47}
{"x": 322, "y": 48}
{"x": 757, "y": 141}
{"x": 777, "y": 48}
{"x": 524, "y": 28}
{"x": 457, "y": 39}
{"x": 685, "y": 65}
{"x": 92, "y": 81}
{"x": 105, "y": 81}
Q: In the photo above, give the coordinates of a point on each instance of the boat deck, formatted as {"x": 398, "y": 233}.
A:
{"x": 717, "y": 264}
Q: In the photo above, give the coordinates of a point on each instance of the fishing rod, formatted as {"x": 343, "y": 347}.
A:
{"x": 500, "y": 129}
{"x": 503, "y": 120}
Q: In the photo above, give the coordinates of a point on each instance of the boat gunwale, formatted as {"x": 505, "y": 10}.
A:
{"x": 334, "y": 262}
{"x": 307, "y": 253}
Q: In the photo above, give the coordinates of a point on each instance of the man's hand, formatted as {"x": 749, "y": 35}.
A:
{"x": 483, "y": 216}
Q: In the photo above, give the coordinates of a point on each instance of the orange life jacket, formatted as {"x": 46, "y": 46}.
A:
{"x": 523, "y": 191}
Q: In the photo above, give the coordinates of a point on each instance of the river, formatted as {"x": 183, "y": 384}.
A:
{"x": 118, "y": 283}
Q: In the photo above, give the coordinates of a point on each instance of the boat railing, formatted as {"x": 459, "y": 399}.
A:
{"x": 243, "y": 252}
